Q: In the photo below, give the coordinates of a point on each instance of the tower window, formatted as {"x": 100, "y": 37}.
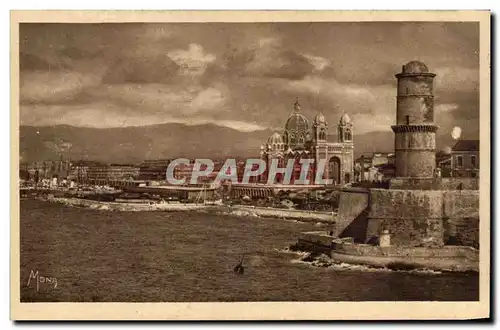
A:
{"x": 473, "y": 160}
{"x": 348, "y": 136}
{"x": 407, "y": 118}
{"x": 407, "y": 91}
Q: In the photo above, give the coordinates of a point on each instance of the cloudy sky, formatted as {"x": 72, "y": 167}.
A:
{"x": 242, "y": 76}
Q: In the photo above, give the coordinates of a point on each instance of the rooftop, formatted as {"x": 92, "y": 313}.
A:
{"x": 466, "y": 145}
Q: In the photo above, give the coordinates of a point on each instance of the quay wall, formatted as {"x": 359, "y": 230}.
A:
{"x": 434, "y": 183}
{"x": 351, "y": 220}
{"x": 461, "y": 217}
{"x": 412, "y": 217}
{"x": 407, "y": 251}
{"x": 425, "y": 217}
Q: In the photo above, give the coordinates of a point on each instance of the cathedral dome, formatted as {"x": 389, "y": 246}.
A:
{"x": 275, "y": 138}
{"x": 415, "y": 67}
{"x": 297, "y": 122}
{"x": 319, "y": 119}
{"x": 297, "y": 130}
{"x": 345, "y": 119}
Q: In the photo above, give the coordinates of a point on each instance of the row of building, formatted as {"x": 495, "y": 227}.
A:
{"x": 84, "y": 171}
{"x": 462, "y": 161}
{"x": 90, "y": 171}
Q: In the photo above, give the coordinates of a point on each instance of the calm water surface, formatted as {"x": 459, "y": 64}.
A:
{"x": 158, "y": 256}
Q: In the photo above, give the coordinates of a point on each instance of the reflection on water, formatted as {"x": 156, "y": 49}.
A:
{"x": 158, "y": 256}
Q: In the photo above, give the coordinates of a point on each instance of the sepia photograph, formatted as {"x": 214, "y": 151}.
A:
{"x": 283, "y": 159}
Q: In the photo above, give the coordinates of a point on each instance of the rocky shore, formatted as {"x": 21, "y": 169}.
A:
{"x": 324, "y": 250}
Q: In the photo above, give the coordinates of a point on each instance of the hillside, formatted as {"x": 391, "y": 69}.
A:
{"x": 134, "y": 144}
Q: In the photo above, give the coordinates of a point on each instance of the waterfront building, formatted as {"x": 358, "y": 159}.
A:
{"x": 123, "y": 172}
{"x": 47, "y": 169}
{"x": 183, "y": 171}
{"x": 154, "y": 169}
{"x": 376, "y": 166}
{"x": 97, "y": 172}
{"x": 443, "y": 162}
{"x": 387, "y": 171}
{"x": 112, "y": 172}
{"x": 78, "y": 173}
{"x": 301, "y": 140}
{"x": 79, "y": 170}
{"x": 465, "y": 159}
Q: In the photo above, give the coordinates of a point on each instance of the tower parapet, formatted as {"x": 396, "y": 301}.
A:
{"x": 415, "y": 131}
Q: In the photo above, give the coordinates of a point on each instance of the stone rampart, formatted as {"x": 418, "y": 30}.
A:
{"x": 435, "y": 183}
{"x": 351, "y": 219}
{"x": 424, "y": 217}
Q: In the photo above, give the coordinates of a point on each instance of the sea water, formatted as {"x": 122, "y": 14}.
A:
{"x": 101, "y": 255}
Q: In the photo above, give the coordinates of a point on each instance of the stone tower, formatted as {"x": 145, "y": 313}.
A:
{"x": 345, "y": 137}
{"x": 320, "y": 144}
{"x": 415, "y": 131}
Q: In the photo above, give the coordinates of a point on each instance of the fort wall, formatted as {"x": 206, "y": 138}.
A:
{"x": 351, "y": 219}
{"x": 435, "y": 183}
{"x": 424, "y": 217}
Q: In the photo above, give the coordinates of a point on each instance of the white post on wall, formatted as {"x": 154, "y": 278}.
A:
{"x": 385, "y": 238}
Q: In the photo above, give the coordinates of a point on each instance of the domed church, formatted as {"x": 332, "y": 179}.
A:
{"x": 302, "y": 140}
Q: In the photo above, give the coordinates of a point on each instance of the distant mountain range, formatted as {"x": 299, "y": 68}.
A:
{"x": 134, "y": 144}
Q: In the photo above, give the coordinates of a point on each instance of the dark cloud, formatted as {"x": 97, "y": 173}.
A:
{"x": 269, "y": 59}
{"x": 366, "y": 73}
{"x": 30, "y": 62}
{"x": 76, "y": 53}
{"x": 241, "y": 72}
{"x": 83, "y": 96}
{"x": 140, "y": 70}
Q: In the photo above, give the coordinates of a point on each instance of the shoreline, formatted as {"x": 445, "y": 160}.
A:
{"x": 235, "y": 210}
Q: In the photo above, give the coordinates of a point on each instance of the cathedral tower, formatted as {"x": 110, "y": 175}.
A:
{"x": 320, "y": 128}
{"x": 345, "y": 129}
{"x": 320, "y": 146}
{"x": 415, "y": 131}
{"x": 345, "y": 138}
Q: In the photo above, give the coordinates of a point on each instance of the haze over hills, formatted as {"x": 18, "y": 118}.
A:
{"x": 134, "y": 144}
